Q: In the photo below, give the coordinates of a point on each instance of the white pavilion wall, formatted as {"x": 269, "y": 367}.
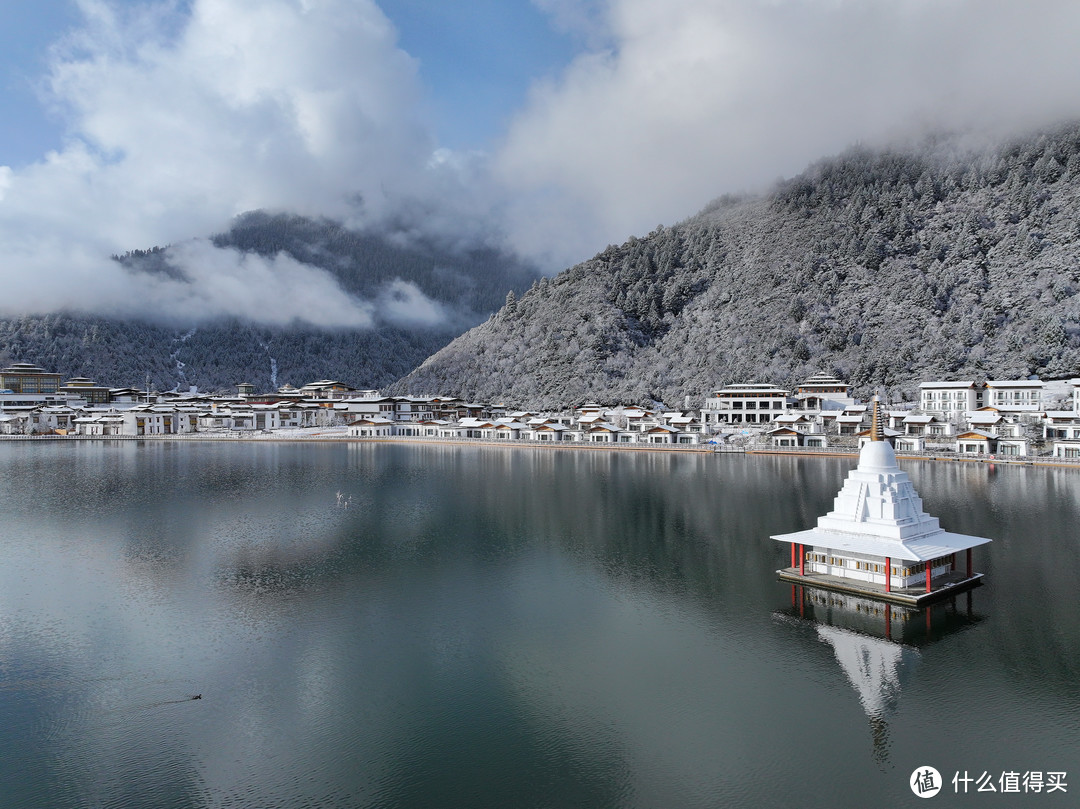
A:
{"x": 857, "y": 567}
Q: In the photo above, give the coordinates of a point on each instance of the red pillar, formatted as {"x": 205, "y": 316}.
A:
{"x": 928, "y": 571}
{"x": 969, "y": 562}
{"x": 792, "y": 555}
{"x": 888, "y": 574}
{"x": 802, "y": 559}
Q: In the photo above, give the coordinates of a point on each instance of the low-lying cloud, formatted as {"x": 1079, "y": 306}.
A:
{"x": 213, "y": 283}
{"x": 685, "y": 100}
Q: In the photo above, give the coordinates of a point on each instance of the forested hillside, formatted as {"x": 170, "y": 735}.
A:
{"x": 885, "y": 268}
{"x": 466, "y": 282}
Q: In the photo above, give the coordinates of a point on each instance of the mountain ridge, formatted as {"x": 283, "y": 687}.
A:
{"x": 883, "y": 267}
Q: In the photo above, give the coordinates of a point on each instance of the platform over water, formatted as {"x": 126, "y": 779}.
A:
{"x": 947, "y": 585}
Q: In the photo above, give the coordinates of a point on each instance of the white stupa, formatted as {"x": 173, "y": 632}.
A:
{"x": 877, "y": 540}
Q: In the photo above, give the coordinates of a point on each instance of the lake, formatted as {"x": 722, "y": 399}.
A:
{"x": 392, "y": 625}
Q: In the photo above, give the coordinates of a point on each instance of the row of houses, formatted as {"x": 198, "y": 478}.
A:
{"x": 169, "y": 418}
{"x": 993, "y": 418}
{"x": 590, "y": 423}
{"x": 826, "y": 398}
{"x": 987, "y": 431}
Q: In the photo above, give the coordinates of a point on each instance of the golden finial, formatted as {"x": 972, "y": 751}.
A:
{"x": 876, "y": 431}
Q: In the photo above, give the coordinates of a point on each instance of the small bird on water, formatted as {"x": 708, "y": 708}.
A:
{"x": 197, "y": 696}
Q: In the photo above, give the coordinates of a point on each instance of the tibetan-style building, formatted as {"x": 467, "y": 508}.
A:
{"x": 877, "y": 541}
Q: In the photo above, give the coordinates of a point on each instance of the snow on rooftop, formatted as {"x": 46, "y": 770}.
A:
{"x": 878, "y": 512}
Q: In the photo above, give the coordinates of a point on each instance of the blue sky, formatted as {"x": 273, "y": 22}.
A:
{"x": 551, "y": 127}
{"x": 477, "y": 60}
{"x": 27, "y": 28}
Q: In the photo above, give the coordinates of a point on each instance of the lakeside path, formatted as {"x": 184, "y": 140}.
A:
{"x": 339, "y": 435}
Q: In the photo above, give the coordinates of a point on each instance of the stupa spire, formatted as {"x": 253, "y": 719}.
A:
{"x": 877, "y": 430}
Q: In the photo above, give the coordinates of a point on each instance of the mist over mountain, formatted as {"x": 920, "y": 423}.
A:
{"x": 413, "y": 294}
{"x": 885, "y": 267}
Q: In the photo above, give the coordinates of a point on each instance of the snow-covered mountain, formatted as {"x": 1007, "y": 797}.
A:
{"x": 883, "y": 267}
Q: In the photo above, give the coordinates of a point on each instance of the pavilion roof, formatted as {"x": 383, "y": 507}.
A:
{"x": 934, "y": 546}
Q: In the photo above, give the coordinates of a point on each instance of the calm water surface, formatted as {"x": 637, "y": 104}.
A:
{"x": 431, "y": 626}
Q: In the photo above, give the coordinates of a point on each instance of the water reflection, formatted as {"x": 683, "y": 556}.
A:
{"x": 876, "y": 644}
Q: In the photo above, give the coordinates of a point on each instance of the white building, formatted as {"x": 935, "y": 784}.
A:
{"x": 507, "y": 429}
{"x": 99, "y": 424}
{"x": 55, "y": 418}
{"x": 909, "y": 443}
{"x": 788, "y": 436}
{"x": 474, "y": 428}
{"x": 925, "y": 425}
{"x": 142, "y": 420}
{"x": 877, "y": 540}
{"x": 371, "y": 427}
{"x": 849, "y": 423}
{"x": 547, "y": 431}
{"x": 305, "y": 414}
{"x": 744, "y": 404}
{"x": 949, "y": 399}
{"x": 976, "y": 442}
{"x": 1066, "y": 449}
{"x": 992, "y": 432}
{"x": 599, "y": 432}
{"x": 1014, "y": 396}
{"x": 1062, "y": 428}
{"x": 421, "y": 429}
{"x": 823, "y": 392}
{"x": 361, "y": 406}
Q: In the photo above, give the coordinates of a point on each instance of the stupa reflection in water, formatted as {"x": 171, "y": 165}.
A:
{"x": 876, "y": 644}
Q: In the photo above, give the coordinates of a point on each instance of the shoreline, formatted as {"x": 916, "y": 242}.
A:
{"x": 338, "y": 437}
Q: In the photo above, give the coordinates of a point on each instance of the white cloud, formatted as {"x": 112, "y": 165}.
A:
{"x": 404, "y": 304}
{"x": 223, "y": 282}
{"x": 272, "y": 104}
{"x": 181, "y": 116}
{"x": 695, "y": 98}
{"x": 183, "y": 113}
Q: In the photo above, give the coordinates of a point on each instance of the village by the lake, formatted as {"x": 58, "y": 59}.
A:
{"x": 1021, "y": 420}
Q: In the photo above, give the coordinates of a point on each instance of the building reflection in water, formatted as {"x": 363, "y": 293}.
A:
{"x": 877, "y": 644}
